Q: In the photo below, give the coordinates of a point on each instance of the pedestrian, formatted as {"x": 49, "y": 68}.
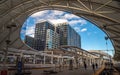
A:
{"x": 85, "y": 65}
{"x": 96, "y": 65}
{"x": 93, "y": 66}
{"x": 71, "y": 65}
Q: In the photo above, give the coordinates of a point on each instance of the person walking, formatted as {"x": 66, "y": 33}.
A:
{"x": 85, "y": 65}
{"x": 93, "y": 66}
{"x": 96, "y": 66}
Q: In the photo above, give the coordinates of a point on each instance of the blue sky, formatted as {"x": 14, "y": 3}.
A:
{"x": 92, "y": 38}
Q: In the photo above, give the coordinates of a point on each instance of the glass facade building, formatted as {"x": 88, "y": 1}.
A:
{"x": 29, "y": 41}
{"x": 73, "y": 38}
{"x": 46, "y": 36}
{"x": 69, "y": 36}
{"x": 50, "y": 36}
{"x": 52, "y": 39}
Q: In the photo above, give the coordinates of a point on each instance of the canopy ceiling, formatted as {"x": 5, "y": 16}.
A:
{"x": 104, "y": 13}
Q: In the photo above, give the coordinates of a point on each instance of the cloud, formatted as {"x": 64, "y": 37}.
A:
{"x": 23, "y": 29}
{"x": 40, "y": 20}
{"x": 56, "y": 17}
{"x": 84, "y": 29}
{"x": 40, "y": 14}
{"x": 58, "y": 21}
{"x": 83, "y": 22}
{"x": 47, "y": 14}
{"x": 55, "y": 12}
{"x": 73, "y": 22}
{"x": 80, "y": 22}
{"x": 77, "y": 29}
{"x": 70, "y": 16}
{"x": 43, "y": 15}
{"x": 30, "y": 31}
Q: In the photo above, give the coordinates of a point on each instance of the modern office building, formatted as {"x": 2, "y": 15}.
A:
{"x": 74, "y": 38}
{"x": 29, "y": 41}
{"x": 52, "y": 39}
{"x": 50, "y": 36}
{"x": 46, "y": 36}
{"x": 69, "y": 36}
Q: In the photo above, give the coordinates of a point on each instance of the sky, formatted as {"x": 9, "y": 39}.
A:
{"x": 92, "y": 38}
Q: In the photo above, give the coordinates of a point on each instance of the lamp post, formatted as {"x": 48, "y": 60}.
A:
{"x": 4, "y": 71}
{"x": 8, "y": 40}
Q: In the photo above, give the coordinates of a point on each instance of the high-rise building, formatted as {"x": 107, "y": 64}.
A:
{"x": 52, "y": 39}
{"x": 50, "y": 36}
{"x": 69, "y": 36}
{"x": 46, "y": 36}
{"x": 29, "y": 41}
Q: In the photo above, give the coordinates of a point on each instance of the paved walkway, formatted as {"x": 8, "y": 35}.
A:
{"x": 80, "y": 71}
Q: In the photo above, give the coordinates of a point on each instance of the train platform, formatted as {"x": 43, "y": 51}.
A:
{"x": 66, "y": 71}
{"x": 79, "y": 71}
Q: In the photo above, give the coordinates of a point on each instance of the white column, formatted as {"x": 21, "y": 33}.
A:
{"x": 21, "y": 55}
{"x": 58, "y": 60}
{"x": 34, "y": 59}
{"x": 44, "y": 59}
{"x": 52, "y": 57}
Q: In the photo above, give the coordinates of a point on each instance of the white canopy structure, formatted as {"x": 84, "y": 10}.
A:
{"x": 103, "y": 13}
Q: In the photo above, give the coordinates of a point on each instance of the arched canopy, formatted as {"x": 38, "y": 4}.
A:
{"x": 104, "y": 13}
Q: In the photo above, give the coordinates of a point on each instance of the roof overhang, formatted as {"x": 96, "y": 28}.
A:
{"x": 103, "y": 13}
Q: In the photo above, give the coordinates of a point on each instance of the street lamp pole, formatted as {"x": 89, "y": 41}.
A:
{"x": 7, "y": 44}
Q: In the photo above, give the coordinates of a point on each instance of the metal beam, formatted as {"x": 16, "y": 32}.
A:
{"x": 4, "y": 39}
{"x": 29, "y": 2}
{"x": 115, "y": 24}
{"x": 105, "y": 12}
{"x": 115, "y": 40}
{"x": 20, "y": 46}
{"x": 42, "y": 2}
{"x": 112, "y": 31}
{"x": 18, "y": 5}
{"x": 90, "y": 4}
{"x": 83, "y": 4}
{"x": 93, "y": 15}
{"x": 90, "y": 12}
{"x": 12, "y": 42}
{"x": 2, "y": 1}
{"x": 115, "y": 37}
{"x": 117, "y": 46}
{"x": 103, "y": 5}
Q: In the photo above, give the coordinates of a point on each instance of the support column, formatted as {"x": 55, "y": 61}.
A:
{"x": 34, "y": 59}
{"x": 76, "y": 62}
{"x": 52, "y": 57}
{"x": 44, "y": 59}
{"x": 58, "y": 60}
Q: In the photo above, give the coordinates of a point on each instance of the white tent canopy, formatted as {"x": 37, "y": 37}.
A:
{"x": 104, "y": 13}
